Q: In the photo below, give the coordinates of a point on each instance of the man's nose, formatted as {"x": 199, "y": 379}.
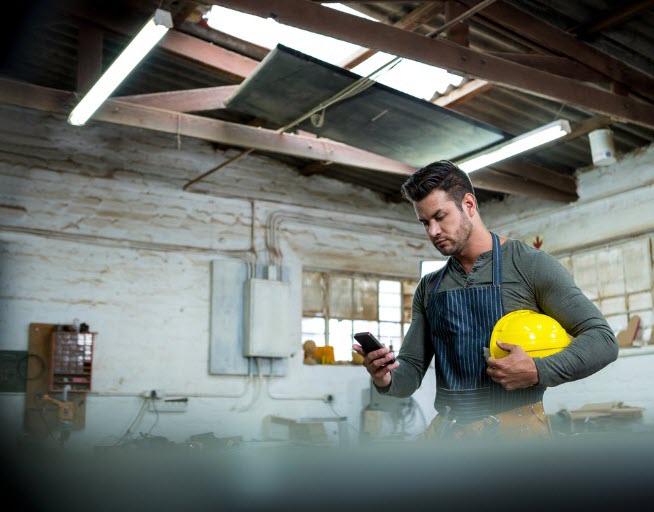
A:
{"x": 434, "y": 229}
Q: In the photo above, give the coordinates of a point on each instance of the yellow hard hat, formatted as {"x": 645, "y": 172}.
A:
{"x": 539, "y": 335}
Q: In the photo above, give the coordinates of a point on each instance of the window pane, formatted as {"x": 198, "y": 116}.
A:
{"x": 314, "y": 329}
{"x": 340, "y": 297}
{"x": 340, "y": 337}
{"x": 364, "y": 326}
{"x": 390, "y": 314}
{"x": 390, "y": 329}
{"x": 313, "y": 325}
{"x": 389, "y": 287}
{"x": 313, "y": 294}
{"x": 390, "y": 334}
{"x": 390, "y": 300}
{"x": 365, "y": 299}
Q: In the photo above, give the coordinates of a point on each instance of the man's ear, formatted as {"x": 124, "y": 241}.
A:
{"x": 469, "y": 204}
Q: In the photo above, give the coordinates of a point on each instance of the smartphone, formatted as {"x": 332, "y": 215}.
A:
{"x": 369, "y": 343}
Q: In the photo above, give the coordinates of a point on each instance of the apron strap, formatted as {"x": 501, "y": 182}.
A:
{"x": 497, "y": 260}
{"x": 497, "y": 267}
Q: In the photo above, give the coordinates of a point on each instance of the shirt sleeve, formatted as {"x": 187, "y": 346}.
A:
{"x": 415, "y": 353}
{"x": 594, "y": 345}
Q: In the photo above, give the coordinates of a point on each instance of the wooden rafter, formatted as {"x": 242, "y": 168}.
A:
{"x": 227, "y": 41}
{"x": 192, "y": 100}
{"x": 534, "y": 172}
{"x": 130, "y": 114}
{"x": 561, "y": 42}
{"x": 410, "y": 22}
{"x": 555, "y": 64}
{"x": 314, "y": 17}
{"x": 615, "y": 17}
{"x": 232, "y": 65}
{"x": 459, "y": 33}
{"x": 321, "y": 150}
{"x": 491, "y": 179}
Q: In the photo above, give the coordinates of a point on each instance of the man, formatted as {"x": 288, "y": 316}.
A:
{"x": 455, "y": 309}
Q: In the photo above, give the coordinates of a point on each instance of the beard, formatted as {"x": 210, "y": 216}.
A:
{"x": 458, "y": 242}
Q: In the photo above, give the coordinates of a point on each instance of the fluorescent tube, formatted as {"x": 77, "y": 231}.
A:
{"x": 143, "y": 42}
{"x": 520, "y": 144}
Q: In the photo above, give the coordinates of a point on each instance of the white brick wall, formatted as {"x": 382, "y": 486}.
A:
{"x": 94, "y": 225}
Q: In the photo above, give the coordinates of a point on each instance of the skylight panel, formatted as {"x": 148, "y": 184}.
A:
{"x": 414, "y": 78}
{"x": 268, "y": 33}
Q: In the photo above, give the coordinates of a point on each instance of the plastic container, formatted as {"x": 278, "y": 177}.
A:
{"x": 601, "y": 147}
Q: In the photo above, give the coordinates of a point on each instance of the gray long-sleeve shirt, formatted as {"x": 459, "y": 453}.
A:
{"x": 531, "y": 279}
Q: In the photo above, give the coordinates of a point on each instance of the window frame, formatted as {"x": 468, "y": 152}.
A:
{"x": 405, "y": 283}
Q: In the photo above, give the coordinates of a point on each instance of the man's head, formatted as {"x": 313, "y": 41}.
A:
{"x": 445, "y": 204}
{"x": 442, "y": 175}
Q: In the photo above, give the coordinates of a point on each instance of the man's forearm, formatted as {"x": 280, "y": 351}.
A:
{"x": 586, "y": 354}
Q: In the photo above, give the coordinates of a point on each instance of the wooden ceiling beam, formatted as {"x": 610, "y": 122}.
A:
{"x": 566, "y": 44}
{"x": 458, "y": 33}
{"x": 615, "y": 17}
{"x": 534, "y": 172}
{"x": 192, "y": 100}
{"x": 316, "y": 167}
{"x": 490, "y": 179}
{"x": 232, "y": 65}
{"x": 214, "y": 130}
{"x": 410, "y": 22}
{"x": 192, "y": 48}
{"x": 324, "y": 151}
{"x": 224, "y": 40}
{"x": 556, "y": 65}
{"x": 459, "y": 59}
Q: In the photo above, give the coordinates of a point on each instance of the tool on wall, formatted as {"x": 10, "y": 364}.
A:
{"x": 59, "y": 373}
{"x": 65, "y": 408}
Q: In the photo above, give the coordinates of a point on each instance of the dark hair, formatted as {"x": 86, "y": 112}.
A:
{"x": 442, "y": 175}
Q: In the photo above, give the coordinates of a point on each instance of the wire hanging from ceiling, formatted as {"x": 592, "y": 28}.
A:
{"x": 351, "y": 90}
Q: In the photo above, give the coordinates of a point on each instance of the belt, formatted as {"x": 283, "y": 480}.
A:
{"x": 526, "y": 422}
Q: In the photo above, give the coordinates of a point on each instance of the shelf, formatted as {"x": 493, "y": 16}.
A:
{"x": 636, "y": 351}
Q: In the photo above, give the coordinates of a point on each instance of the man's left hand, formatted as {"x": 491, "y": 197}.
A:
{"x": 515, "y": 371}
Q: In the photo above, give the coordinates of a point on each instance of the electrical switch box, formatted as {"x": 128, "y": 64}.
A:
{"x": 267, "y": 319}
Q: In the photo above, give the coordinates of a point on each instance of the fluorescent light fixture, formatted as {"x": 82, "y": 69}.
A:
{"x": 520, "y": 144}
{"x": 143, "y": 42}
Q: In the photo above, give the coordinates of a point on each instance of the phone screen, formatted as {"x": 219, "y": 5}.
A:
{"x": 369, "y": 343}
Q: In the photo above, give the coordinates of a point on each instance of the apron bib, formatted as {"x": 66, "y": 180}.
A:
{"x": 461, "y": 322}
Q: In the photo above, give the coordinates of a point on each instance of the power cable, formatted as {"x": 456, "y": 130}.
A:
{"x": 139, "y": 416}
{"x": 156, "y": 421}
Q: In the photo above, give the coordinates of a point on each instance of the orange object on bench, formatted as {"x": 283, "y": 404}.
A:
{"x": 324, "y": 355}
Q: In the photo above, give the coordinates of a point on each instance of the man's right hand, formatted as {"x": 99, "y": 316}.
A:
{"x": 377, "y": 364}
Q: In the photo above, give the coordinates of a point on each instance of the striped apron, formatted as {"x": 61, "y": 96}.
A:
{"x": 461, "y": 322}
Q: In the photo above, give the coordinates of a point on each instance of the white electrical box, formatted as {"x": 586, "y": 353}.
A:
{"x": 267, "y": 319}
